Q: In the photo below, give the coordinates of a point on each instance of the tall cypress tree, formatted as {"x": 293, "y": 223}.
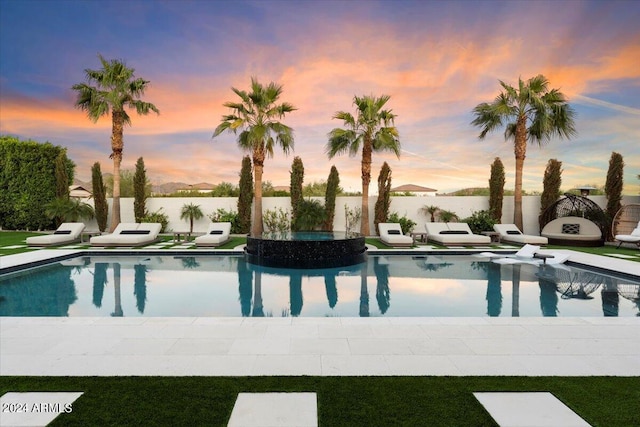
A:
{"x": 384, "y": 196}
{"x": 99, "y": 197}
{"x": 297, "y": 179}
{"x": 62, "y": 177}
{"x": 139, "y": 190}
{"x": 496, "y": 189}
{"x": 330, "y": 198}
{"x": 245, "y": 198}
{"x": 551, "y": 184}
{"x": 613, "y": 187}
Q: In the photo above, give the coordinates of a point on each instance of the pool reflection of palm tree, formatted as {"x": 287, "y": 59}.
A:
{"x": 117, "y": 312}
{"x": 295, "y": 292}
{"x": 364, "y": 293}
{"x": 245, "y": 278}
{"x": 99, "y": 282}
{"x": 190, "y": 262}
{"x": 258, "y": 309}
{"x": 610, "y": 298}
{"x": 548, "y": 297}
{"x": 494, "y": 289}
{"x": 515, "y": 293}
{"x": 383, "y": 294}
{"x": 140, "y": 286}
{"x": 331, "y": 289}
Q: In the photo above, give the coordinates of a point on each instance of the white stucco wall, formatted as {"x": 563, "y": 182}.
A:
{"x": 409, "y": 206}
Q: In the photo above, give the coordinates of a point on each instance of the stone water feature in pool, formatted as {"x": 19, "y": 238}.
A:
{"x": 308, "y": 249}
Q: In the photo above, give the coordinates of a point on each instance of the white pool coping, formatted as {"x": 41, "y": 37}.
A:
{"x": 199, "y": 346}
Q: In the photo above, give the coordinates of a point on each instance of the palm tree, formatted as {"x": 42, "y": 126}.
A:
{"x": 431, "y": 210}
{"x": 373, "y": 129}
{"x": 191, "y": 212}
{"x": 530, "y": 112}
{"x": 256, "y": 116}
{"x": 68, "y": 209}
{"x": 115, "y": 89}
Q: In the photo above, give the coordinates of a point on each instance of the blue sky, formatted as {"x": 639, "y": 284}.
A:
{"x": 437, "y": 60}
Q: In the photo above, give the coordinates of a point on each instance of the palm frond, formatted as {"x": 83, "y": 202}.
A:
{"x": 340, "y": 141}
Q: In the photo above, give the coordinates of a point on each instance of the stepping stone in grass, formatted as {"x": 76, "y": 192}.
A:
{"x": 538, "y": 409}
{"x": 275, "y": 410}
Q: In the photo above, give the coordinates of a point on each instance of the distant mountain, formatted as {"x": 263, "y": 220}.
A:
{"x": 164, "y": 188}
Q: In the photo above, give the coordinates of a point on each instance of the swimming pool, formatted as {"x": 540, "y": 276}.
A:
{"x": 397, "y": 285}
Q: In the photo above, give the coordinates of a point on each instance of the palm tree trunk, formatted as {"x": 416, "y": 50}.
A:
{"x": 364, "y": 293}
{"x": 520, "y": 149}
{"x": 117, "y": 144}
{"x": 258, "y": 166}
{"x": 117, "y": 310}
{"x": 366, "y": 179}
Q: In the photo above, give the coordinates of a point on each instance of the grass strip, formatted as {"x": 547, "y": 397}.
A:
{"x": 342, "y": 401}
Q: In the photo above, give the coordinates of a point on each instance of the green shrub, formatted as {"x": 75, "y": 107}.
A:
{"x": 381, "y": 210}
{"x": 496, "y": 189}
{"x": 276, "y": 221}
{"x": 99, "y": 197}
{"x": 333, "y": 188}
{"x": 480, "y": 221}
{"x": 405, "y": 223}
{"x": 447, "y": 216}
{"x": 310, "y": 215}
{"x": 223, "y": 215}
{"x": 140, "y": 192}
{"x": 245, "y": 198}
{"x": 28, "y": 182}
{"x": 158, "y": 216}
{"x": 295, "y": 189}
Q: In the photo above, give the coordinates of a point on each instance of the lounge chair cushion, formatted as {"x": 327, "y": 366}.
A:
{"x": 454, "y": 233}
{"x": 588, "y": 230}
{"x": 571, "y": 228}
{"x": 391, "y": 234}
{"x": 129, "y": 234}
{"x": 512, "y": 234}
{"x": 67, "y": 232}
{"x": 217, "y": 234}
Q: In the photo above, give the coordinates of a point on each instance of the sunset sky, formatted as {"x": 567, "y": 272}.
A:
{"x": 437, "y": 60}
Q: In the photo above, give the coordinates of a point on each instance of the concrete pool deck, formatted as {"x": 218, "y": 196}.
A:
{"x": 178, "y": 346}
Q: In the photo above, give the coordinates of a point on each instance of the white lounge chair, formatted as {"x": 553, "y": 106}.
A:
{"x": 454, "y": 233}
{"x": 68, "y": 232}
{"x": 129, "y": 234}
{"x": 528, "y": 254}
{"x": 391, "y": 235}
{"x": 511, "y": 233}
{"x": 217, "y": 234}
{"x": 572, "y": 230}
{"x": 553, "y": 258}
{"x": 634, "y": 237}
{"x": 525, "y": 252}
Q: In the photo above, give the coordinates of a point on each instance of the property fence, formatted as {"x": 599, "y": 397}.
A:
{"x": 410, "y": 207}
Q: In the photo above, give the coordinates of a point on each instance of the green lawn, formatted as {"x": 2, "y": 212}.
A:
{"x": 342, "y": 401}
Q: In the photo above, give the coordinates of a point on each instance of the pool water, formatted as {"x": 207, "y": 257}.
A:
{"x": 399, "y": 286}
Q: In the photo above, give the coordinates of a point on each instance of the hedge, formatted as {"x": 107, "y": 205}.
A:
{"x": 28, "y": 182}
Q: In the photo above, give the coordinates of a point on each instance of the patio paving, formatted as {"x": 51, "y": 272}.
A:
{"x": 320, "y": 346}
